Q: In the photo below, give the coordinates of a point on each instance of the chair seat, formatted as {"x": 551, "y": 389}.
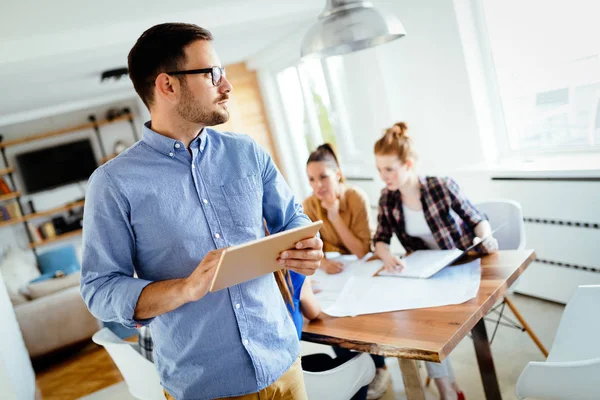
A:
{"x": 140, "y": 374}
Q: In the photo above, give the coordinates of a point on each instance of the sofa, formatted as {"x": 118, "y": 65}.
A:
{"x": 51, "y": 313}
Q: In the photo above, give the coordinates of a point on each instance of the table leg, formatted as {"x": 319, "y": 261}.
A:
{"x": 412, "y": 379}
{"x": 485, "y": 361}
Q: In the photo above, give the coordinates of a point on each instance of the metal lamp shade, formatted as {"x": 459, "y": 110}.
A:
{"x": 348, "y": 26}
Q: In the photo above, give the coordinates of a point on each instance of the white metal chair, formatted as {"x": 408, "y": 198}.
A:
{"x": 573, "y": 366}
{"x": 140, "y": 374}
{"x": 510, "y": 237}
{"x": 340, "y": 383}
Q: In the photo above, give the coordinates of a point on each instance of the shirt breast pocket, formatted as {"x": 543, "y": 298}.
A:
{"x": 244, "y": 200}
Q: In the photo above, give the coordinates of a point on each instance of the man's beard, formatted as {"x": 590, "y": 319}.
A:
{"x": 192, "y": 110}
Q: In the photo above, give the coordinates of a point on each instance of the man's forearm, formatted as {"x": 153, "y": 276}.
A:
{"x": 161, "y": 297}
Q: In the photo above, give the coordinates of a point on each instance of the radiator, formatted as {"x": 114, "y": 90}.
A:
{"x": 562, "y": 225}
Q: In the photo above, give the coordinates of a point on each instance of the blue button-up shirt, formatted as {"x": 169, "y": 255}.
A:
{"x": 157, "y": 210}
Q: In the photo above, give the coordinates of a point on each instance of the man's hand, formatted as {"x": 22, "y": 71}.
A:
{"x": 331, "y": 267}
{"x": 305, "y": 258}
{"x": 198, "y": 283}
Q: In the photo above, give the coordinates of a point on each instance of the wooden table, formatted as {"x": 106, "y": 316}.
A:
{"x": 429, "y": 334}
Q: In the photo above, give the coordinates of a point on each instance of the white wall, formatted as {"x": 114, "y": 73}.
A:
{"x": 428, "y": 87}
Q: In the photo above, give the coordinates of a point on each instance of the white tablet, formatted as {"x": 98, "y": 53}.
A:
{"x": 250, "y": 260}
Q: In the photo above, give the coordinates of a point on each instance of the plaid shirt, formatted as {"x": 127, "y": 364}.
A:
{"x": 450, "y": 216}
{"x": 145, "y": 342}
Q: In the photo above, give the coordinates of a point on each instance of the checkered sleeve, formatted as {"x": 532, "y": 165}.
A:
{"x": 145, "y": 342}
{"x": 384, "y": 230}
{"x": 461, "y": 205}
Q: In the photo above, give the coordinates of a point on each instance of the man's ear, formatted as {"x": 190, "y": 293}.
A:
{"x": 167, "y": 87}
{"x": 409, "y": 164}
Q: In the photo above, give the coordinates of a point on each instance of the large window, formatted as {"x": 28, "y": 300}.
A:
{"x": 546, "y": 56}
{"x": 314, "y": 108}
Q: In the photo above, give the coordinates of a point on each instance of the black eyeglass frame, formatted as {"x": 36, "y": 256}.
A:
{"x": 216, "y": 73}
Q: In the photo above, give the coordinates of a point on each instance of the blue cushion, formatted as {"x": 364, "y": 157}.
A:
{"x": 59, "y": 261}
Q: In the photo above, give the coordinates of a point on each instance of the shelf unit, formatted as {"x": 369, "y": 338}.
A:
{"x": 8, "y": 171}
{"x": 55, "y": 239}
{"x": 10, "y": 196}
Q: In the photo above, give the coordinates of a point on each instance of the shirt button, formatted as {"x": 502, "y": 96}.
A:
{"x": 171, "y": 154}
{"x": 246, "y": 342}
{"x": 217, "y": 235}
{"x": 237, "y": 306}
{"x": 205, "y": 201}
{"x": 177, "y": 145}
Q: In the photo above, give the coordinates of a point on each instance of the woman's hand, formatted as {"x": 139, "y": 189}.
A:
{"x": 333, "y": 208}
{"x": 332, "y": 267}
{"x": 391, "y": 263}
{"x": 489, "y": 245}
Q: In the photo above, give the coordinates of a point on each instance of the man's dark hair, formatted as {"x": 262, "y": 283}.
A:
{"x": 160, "y": 49}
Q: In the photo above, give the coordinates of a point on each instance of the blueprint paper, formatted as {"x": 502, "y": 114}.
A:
{"x": 358, "y": 293}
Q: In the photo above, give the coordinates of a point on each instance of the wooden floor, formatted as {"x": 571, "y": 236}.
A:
{"x": 76, "y": 372}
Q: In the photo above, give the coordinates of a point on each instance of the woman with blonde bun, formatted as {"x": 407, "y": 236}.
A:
{"x": 424, "y": 212}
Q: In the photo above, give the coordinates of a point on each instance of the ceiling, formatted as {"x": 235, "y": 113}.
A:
{"x": 54, "y": 55}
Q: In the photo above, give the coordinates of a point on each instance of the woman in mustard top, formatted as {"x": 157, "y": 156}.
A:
{"x": 344, "y": 211}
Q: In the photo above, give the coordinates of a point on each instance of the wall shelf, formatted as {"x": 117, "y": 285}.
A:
{"x": 89, "y": 125}
{"x": 10, "y": 196}
{"x": 53, "y": 211}
{"x": 56, "y": 239}
{"x": 11, "y": 222}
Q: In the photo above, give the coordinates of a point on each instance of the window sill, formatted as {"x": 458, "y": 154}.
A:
{"x": 559, "y": 167}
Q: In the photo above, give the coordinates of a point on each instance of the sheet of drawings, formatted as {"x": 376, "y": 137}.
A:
{"x": 356, "y": 291}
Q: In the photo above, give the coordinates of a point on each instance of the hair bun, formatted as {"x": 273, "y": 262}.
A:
{"x": 399, "y": 129}
{"x": 326, "y": 147}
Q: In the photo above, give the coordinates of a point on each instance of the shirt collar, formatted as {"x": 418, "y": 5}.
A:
{"x": 168, "y": 146}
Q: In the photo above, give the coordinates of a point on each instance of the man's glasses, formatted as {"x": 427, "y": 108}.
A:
{"x": 216, "y": 73}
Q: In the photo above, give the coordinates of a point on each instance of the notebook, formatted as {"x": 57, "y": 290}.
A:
{"x": 426, "y": 263}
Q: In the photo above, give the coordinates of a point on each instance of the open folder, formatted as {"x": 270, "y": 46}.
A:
{"x": 259, "y": 257}
{"x": 426, "y": 263}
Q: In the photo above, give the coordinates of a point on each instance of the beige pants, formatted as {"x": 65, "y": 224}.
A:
{"x": 289, "y": 386}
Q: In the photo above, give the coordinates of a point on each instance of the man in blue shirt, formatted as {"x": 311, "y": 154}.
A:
{"x": 164, "y": 208}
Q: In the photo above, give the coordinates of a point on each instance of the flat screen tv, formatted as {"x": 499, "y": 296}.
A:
{"x": 56, "y": 166}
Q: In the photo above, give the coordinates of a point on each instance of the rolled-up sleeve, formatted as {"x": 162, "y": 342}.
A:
{"x": 461, "y": 204}
{"x": 108, "y": 286}
{"x": 280, "y": 208}
{"x": 384, "y": 230}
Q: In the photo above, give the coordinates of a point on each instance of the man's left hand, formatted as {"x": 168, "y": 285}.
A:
{"x": 305, "y": 258}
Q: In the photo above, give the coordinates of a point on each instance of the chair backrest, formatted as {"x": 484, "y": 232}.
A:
{"x": 140, "y": 374}
{"x": 343, "y": 382}
{"x": 498, "y": 212}
{"x": 578, "y": 335}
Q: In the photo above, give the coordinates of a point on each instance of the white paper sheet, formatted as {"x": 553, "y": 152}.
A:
{"x": 362, "y": 294}
{"x": 425, "y": 263}
{"x": 331, "y": 286}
